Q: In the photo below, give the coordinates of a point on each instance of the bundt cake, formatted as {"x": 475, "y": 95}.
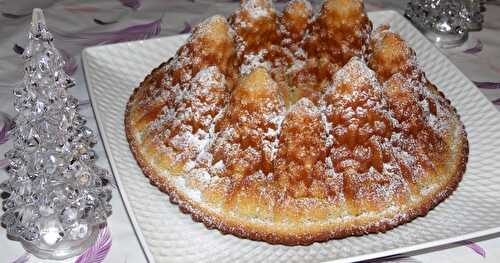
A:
{"x": 296, "y": 127}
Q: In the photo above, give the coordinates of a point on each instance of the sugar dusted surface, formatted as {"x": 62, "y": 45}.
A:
{"x": 386, "y": 185}
{"x": 256, "y": 8}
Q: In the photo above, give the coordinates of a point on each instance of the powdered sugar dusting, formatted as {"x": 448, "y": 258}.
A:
{"x": 355, "y": 73}
{"x": 206, "y": 28}
{"x": 257, "y": 8}
{"x": 253, "y": 61}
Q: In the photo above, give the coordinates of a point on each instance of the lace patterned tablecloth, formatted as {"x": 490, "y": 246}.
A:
{"x": 78, "y": 24}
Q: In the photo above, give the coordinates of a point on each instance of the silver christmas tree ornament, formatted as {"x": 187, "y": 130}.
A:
{"x": 446, "y": 22}
{"x": 442, "y": 21}
{"x": 56, "y": 198}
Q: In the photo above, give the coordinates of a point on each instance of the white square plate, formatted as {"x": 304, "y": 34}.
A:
{"x": 113, "y": 71}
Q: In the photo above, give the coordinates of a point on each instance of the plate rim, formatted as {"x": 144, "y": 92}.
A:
{"x": 417, "y": 248}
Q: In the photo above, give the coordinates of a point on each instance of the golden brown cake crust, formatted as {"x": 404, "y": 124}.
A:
{"x": 293, "y": 233}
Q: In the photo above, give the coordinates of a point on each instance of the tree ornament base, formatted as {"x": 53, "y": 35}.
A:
{"x": 63, "y": 250}
{"x": 445, "y": 40}
{"x": 444, "y": 22}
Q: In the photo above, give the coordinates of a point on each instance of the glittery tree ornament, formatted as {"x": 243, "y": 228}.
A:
{"x": 444, "y": 22}
{"x": 55, "y": 198}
